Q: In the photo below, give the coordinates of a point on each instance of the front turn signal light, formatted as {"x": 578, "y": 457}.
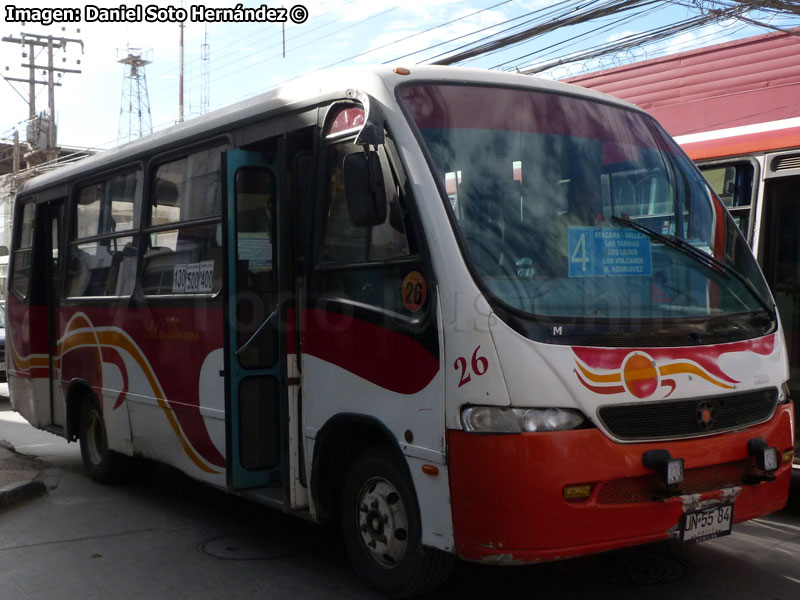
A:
{"x": 577, "y": 493}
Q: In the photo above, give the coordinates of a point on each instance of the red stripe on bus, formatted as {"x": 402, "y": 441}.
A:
{"x": 386, "y": 358}
{"x": 743, "y": 144}
{"x": 705, "y": 356}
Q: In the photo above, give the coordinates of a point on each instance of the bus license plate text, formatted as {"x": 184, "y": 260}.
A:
{"x": 707, "y": 524}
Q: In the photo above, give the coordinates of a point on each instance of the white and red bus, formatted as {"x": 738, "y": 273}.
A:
{"x": 283, "y": 300}
{"x": 733, "y": 109}
{"x": 761, "y": 188}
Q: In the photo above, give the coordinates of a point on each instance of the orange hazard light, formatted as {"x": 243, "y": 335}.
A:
{"x": 573, "y": 493}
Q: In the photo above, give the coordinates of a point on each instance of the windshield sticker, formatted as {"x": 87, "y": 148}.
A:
{"x": 179, "y": 279}
{"x": 256, "y": 248}
{"x": 608, "y": 252}
{"x": 193, "y": 278}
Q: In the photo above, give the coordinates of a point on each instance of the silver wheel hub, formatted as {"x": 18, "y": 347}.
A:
{"x": 383, "y": 522}
{"x": 96, "y": 439}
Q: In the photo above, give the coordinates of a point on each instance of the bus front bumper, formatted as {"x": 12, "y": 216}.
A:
{"x": 507, "y": 491}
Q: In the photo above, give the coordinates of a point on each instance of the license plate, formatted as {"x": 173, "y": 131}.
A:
{"x": 707, "y": 524}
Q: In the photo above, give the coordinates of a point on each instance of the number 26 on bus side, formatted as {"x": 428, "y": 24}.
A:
{"x": 479, "y": 366}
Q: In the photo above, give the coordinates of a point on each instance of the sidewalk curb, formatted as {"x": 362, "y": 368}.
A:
{"x": 29, "y": 482}
{"x": 16, "y": 493}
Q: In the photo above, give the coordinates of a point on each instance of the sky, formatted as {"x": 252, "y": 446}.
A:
{"x": 247, "y": 58}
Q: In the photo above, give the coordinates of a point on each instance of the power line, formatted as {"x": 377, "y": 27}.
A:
{"x": 579, "y": 16}
{"x": 488, "y": 45}
{"x": 51, "y": 44}
{"x": 489, "y": 52}
{"x": 220, "y": 63}
{"x": 371, "y": 50}
{"x": 472, "y": 33}
{"x": 633, "y": 40}
{"x": 230, "y": 73}
{"x": 560, "y": 46}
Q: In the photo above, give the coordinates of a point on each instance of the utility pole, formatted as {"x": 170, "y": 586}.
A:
{"x": 205, "y": 60}
{"x": 33, "y": 40}
{"x": 32, "y": 84}
{"x": 15, "y": 161}
{"x": 180, "y": 82}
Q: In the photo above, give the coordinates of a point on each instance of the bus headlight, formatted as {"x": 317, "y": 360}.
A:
{"x": 551, "y": 419}
{"x": 490, "y": 419}
{"x": 496, "y": 419}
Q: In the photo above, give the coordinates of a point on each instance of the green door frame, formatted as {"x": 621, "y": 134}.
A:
{"x": 253, "y": 390}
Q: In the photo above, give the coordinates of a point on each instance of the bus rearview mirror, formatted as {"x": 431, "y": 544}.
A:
{"x": 365, "y": 189}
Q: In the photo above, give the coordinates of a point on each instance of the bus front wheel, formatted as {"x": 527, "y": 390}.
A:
{"x": 101, "y": 464}
{"x": 382, "y": 531}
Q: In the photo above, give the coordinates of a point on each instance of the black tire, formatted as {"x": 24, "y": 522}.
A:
{"x": 381, "y": 528}
{"x": 101, "y": 464}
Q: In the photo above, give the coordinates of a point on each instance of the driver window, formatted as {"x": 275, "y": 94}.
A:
{"x": 365, "y": 265}
{"x": 346, "y": 242}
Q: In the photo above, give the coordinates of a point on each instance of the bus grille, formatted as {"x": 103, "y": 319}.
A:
{"x": 682, "y": 418}
{"x": 695, "y": 481}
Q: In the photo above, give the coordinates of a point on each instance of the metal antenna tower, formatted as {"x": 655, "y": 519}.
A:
{"x": 135, "y": 119}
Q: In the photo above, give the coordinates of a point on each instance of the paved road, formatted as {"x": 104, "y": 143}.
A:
{"x": 174, "y": 538}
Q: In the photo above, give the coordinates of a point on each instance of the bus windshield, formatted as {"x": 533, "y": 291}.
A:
{"x": 569, "y": 207}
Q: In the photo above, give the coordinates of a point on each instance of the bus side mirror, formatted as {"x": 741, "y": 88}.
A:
{"x": 365, "y": 189}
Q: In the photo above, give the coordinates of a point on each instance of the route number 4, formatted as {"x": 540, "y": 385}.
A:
{"x": 479, "y": 366}
{"x": 579, "y": 255}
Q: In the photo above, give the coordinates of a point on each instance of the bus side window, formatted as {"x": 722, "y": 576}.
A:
{"x": 733, "y": 183}
{"x": 101, "y": 258}
{"x": 20, "y": 279}
{"x": 184, "y": 241}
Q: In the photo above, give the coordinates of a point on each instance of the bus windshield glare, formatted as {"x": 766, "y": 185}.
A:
{"x": 574, "y": 208}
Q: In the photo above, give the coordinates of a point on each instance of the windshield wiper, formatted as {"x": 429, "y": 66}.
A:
{"x": 684, "y": 247}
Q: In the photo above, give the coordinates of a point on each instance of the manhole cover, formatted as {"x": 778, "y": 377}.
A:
{"x": 249, "y": 546}
{"x": 627, "y": 567}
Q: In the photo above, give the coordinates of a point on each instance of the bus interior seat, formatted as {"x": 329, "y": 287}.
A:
{"x": 126, "y": 276}
{"x": 78, "y": 273}
{"x": 112, "y": 274}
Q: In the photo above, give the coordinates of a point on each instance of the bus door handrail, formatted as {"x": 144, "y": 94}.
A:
{"x": 261, "y": 327}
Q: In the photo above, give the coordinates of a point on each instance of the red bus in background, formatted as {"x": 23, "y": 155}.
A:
{"x": 734, "y": 108}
